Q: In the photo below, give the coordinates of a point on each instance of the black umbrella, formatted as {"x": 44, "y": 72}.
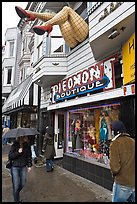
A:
{"x": 18, "y": 132}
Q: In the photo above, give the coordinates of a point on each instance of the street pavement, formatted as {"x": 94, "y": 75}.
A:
{"x": 59, "y": 185}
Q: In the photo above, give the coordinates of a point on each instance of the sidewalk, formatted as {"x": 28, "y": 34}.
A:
{"x": 57, "y": 186}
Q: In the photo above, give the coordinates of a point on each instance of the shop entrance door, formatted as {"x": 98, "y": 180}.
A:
{"x": 59, "y": 134}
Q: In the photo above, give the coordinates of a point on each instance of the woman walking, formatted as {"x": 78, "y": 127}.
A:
{"x": 20, "y": 155}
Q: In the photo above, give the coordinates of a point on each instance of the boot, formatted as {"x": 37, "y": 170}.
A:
{"x": 35, "y": 160}
{"x": 40, "y": 30}
{"x": 24, "y": 14}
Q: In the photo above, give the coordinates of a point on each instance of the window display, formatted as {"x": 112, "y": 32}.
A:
{"x": 76, "y": 127}
{"x": 89, "y": 131}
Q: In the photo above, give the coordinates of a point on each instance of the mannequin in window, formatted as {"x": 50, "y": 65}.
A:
{"x": 91, "y": 131}
{"x": 107, "y": 120}
{"x": 103, "y": 132}
{"x": 76, "y": 137}
{"x": 72, "y": 26}
{"x": 73, "y": 134}
{"x": 77, "y": 126}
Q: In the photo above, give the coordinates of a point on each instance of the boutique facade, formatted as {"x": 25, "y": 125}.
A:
{"x": 92, "y": 86}
{"x": 89, "y": 102}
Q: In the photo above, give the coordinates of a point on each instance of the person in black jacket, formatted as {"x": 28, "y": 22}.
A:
{"x": 20, "y": 155}
{"x": 48, "y": 148}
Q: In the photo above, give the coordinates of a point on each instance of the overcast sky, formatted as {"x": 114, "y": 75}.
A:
{"x": 9, "y": 16}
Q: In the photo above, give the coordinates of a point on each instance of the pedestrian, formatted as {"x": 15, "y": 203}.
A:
{"x": 2, "y": 128}
{"x": 32, "y": 142}
{"x": 6, "y": 129}
{"x": 20, "y": 156}
{"x": 122, "y": 164}
{"x": 48, "y": 149}
{"x": 72, "y": 26}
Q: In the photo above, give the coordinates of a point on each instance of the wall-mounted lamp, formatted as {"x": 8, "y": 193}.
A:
{"x": 37, "y": 69}
{"x": 55, "y": 64}
{"x": 114, "y": 34}
{"x": 122, "y": 28}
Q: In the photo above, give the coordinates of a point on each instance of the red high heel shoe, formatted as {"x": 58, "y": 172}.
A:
{"x": 40, "y": 30}
{"x": 24, "y": 14}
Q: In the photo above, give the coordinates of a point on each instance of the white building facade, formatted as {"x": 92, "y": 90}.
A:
{"x": 20, "y": 107}
{"x": 89, "y": 82}
{"x": 8, "y": 66}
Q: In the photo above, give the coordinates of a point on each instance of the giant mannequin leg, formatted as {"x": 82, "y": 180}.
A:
{"x": 73, "y": 28}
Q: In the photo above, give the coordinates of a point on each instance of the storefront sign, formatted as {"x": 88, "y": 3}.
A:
{"x": 128, "y": 57}
{"x": 98, "y": 76}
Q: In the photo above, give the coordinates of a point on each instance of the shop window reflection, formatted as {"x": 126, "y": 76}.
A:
{"x": 89, "y": 134}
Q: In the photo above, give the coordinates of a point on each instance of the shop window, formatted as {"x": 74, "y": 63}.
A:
{"x": 89, "y": 131}
{"x": 9, "y": 75}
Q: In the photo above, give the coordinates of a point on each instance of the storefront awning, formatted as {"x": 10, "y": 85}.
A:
{"x": 17, "y": 95}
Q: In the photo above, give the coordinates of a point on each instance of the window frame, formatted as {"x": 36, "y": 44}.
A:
{"x": 9, "y": 75}
{"x": 63, "y": 45}
{"x": 11, "y": 48}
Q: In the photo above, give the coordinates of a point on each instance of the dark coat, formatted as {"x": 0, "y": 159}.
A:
{"x": 48, "y": 146}
{"x": 20, "y": 159}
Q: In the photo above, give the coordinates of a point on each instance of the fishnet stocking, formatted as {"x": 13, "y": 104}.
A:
{"x": 73, "y": 28}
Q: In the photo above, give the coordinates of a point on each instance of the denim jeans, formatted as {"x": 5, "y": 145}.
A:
{"x": 123, "y": 193}
{"x": 49, "y": 164}
{"x": 19, "y": 175}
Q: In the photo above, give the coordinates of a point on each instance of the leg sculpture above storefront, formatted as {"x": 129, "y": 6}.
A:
{"x": 72, "y": 26}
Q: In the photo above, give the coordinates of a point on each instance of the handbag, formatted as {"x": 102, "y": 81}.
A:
{"x": 9, "y": 164}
